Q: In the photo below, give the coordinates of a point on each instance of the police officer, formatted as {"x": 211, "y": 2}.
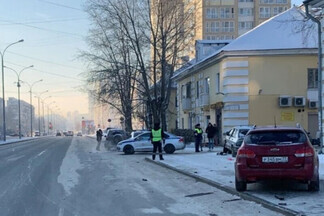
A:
{"x": 157, "y": 135}
{"x": 198, "y": 137}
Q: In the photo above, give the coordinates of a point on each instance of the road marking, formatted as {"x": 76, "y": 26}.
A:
{"x": 61, "y": 212}
{"x": 41, "y": 153}
{"x": 15, "y": 158}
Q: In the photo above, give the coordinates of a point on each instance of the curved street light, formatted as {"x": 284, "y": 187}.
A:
{"x": 31, "y": 103}
{"x": 43, "y": 102}
{"x": 38, "y": 96}
{"x": 18, "y": 86}
{"x": 3, "y": 90}
{"x": 48, "y": 105}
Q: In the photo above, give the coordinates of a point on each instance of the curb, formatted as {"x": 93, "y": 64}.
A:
{"x": 244, "y": 195}
{"x": 18, "y": 141}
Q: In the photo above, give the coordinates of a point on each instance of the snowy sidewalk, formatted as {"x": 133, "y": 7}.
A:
{"x": 220, "y": 169}
{"x": 10, "y": 140}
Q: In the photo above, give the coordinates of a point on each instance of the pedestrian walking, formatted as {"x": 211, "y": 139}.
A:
{"x": 157, "y": 136}
{"x": 198, "y": 137}
{"x": 210, "y": 130}
{"x": 99, "y": 135}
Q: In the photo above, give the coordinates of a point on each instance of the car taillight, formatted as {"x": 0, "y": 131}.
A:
{"x": 245, "y": 153}
{"x": 304, "y": 152}
{"x": 181, "y": 140}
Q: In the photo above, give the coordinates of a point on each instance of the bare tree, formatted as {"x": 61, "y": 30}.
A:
{"x": 112, "y": 64}
{"x": 158, "y": 31}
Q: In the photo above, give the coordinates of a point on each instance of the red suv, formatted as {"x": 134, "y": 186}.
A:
{"x": 276, "y": 153}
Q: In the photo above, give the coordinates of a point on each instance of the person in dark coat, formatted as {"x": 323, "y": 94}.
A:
{"x": 157, "y": 136}
{"x": 99, "y": 135}
{"x": 210, "y": 130}
{"x": 198, "y": 137}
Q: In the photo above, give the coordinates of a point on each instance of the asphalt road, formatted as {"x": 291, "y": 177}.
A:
{"x": 67, "y": 176}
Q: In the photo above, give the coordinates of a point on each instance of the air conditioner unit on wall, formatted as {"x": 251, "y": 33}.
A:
{"x": 284, "y": 101}
{"x": 299, "y": 101}
{"x": 312, "y": 104}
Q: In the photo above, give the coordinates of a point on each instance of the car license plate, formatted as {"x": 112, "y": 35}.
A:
{"x": 274, "y": 159}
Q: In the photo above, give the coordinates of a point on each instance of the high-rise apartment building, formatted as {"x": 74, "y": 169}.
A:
{"x": 228, "y": 19}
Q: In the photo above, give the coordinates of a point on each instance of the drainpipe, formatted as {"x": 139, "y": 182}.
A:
{"x": 320, "y": 106}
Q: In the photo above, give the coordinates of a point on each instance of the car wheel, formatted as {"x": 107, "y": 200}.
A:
{"x": 234, "y": 153}
{"x": 240, "y": 185}
{"x": 129, "y": 149}
{"x": 117, "y": 139}
{"x": 169, "y": 148}
{"x": 314, "y": 185}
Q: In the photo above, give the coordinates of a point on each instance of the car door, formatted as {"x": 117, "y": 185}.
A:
{"x": 147, "y": 145}
{"x": 233, "y": 138}
{"x": 143, "y": 142}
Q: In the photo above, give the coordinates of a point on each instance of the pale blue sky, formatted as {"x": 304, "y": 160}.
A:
{"x": 53, "y": 31}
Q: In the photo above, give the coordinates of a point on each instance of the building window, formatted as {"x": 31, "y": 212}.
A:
{"x": 212, "y": 13}
{"x": 197, "y": 89}
{"x": 312, "y": 78}
{"x": 265, "y": 12}
{"x": 188, "y": 90}
{"x": 228, "y": 26}
{"x": 182, "y": 122}
{"x": 246, "y": 12}
{"x": 217, "y": 83}
{"x": 245, "y": 25}
{"x": 227, "y": 13}
{"x": 206, "y": 85}
{"x": 176, "y": 101}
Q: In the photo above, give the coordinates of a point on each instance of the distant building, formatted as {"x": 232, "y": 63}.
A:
{"x": 12, "y": 122}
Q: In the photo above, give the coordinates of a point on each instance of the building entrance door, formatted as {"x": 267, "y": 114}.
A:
{"x": 312, "y": 124}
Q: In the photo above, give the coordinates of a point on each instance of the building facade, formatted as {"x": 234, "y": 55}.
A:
{"x": 266, "y": 77}
{"x": 12, "y": 122}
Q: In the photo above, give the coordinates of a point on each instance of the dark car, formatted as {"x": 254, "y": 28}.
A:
{"x": 58, "y": 134}
{"x": 276, "y": 153}
{"x": 116, "y": 135}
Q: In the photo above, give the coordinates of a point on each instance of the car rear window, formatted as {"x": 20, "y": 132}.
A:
{"x": 275, "y": 137}
{"x": 244, "y": 131}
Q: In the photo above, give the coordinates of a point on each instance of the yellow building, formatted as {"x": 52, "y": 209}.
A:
{"x": 264, "y": 77}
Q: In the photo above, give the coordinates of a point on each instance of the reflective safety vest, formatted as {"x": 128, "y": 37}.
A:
{"x": 157, "y": 135}
{"x": 198, "y": 130}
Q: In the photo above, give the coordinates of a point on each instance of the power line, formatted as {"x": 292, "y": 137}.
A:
{"x": 39, "y": 22}
{"x": 44, "y": 72}
{"x": 45, "y": 61}
{"x": 60, "y": 5}
{"x": 43, "y": 29}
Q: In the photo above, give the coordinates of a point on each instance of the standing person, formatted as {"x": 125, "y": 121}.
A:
{"x": 198, "y": 137}
{"x": 210, "y": 130}
{"x": 99, "y": 135}
{"x": 157, "y": 135}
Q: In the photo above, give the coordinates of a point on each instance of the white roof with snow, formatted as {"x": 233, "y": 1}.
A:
{"x": 288, "y": 30}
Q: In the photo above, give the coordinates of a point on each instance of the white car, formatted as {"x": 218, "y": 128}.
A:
{"x": 142, "y": 143}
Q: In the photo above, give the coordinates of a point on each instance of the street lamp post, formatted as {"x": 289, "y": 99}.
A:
{"x": 31, "y": 103}
{"x": 48, "y": 116}
{"x": 18, "y": 86}
{"x": 3, "y": 91}
{"x": 43, "y": 102}
{"x": 39, "y": 109}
